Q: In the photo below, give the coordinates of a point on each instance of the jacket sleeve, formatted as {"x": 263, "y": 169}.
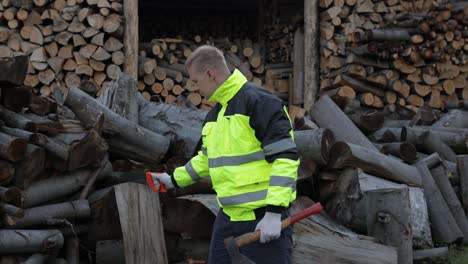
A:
{"x": 194, "y": 170}
{"x": 273, "y": 129}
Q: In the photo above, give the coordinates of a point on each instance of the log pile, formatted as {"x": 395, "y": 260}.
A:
{"x": 395, "y": 54}
{"x": 70, "y": 43}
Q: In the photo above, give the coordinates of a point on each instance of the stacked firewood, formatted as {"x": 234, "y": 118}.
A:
{"x": 394, "y": 52}
{"x": 71, "y": 42}
{"x": 164, "y": 78}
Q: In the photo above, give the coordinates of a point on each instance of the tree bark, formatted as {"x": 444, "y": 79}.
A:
{"x": 343, "y": 129}
{"x": 389, "y": 220}
{"x": 110, "y": 251}
{"x": 49, "y": 189}
{"x": 440, "y": 177}
{"x": 456, "y": 141}
{"x": 444, "y": 226}
{"x": 30, "y": 241}
{"x": 403, "y": 150}
{"x": 13, "y": 70}
{"x": 346, "y": 154}
{"x": 454, "y": 118}
{"x": 462, "y": 168}
{"x": 39, "y": 215}
{"x": 85, "y": 108}
{"x": 433, "y": 255}
{"x": 30, "y": 167}
{"x": 314, "y": 144}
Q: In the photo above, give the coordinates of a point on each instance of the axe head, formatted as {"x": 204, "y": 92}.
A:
{"x": 234, "y": 253}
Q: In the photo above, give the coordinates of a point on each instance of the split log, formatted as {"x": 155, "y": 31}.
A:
{"x": 121, "y": 97}
{"x": 444, "y": 227}
{"x": 314, "y": 144}
{"x": 462, "y": 168}
{"x": 343, "y": 129}
{"x": 389, "y": 220}
{"x": 40, "y": 215}
{"x": 85, "y": 108}
{"x": 441, "y": 179}
{"x": 12, "y": 148}
{"x": 347, "y": 154}
{"x": 30, "y": 241}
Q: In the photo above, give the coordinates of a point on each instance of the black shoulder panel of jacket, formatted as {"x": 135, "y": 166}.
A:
{"x": 267, "y": 117}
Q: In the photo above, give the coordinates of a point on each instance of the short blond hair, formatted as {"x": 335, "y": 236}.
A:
{"x": 206, "y": 56}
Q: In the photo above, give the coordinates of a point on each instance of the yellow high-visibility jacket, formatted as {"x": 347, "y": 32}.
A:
{"x": 248, "y": 150}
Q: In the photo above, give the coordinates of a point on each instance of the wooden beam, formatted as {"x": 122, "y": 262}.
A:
{"x": 131, "y": 38}
{"x": 311, "y": 53}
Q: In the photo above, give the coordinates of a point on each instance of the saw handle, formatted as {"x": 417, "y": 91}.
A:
{"x": 150, "y": 181}
{"x": 252, "y": 237}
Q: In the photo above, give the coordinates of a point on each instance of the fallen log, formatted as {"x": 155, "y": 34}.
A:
{"x": 444, "y": 226}
{"x": 389, "y": 220}
{"x": 343, "y": 129}
{"x": 454, "y": 118}
{"x": 403, "y": 150}
{"x": 110, "y": 251}
{"x": 440, "y": 177}
{"x": 39, "y": 215}
{"x": 456, "y": 141}
{"x": 314, "y": 144}
{"x": 49, "y": 189}
{"x": 432, "y": 255}
{"x": 85, "y": 108}
{"x": 30, "y": 241}
{"x": 349, "y": 197}
{"x": 462, "y": 167}
{"x": 346, "y": 154}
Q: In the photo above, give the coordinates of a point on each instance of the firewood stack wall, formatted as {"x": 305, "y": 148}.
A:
{"x": 395, "y": 53}
{"x": 75, "y": 43}
{"x": 259, "y": 46}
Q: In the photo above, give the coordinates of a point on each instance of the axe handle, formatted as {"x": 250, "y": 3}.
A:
{"x": 252, "y": 237}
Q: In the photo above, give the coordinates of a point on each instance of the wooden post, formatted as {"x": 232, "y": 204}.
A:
{"x": 131, "y": 38}
{"x": 311, "y": 53}
{"x": 296, "y": 96}
{"x": 389, "y": 220}
{"x": 462, "y": 167}
{"x": 144, "y": 242}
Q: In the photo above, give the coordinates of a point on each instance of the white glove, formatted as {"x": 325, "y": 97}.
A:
{"x": 270, "y": 227}
{"x": 164, "y": 178}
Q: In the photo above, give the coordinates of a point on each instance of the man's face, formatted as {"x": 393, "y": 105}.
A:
{"x": 204, "y": 81}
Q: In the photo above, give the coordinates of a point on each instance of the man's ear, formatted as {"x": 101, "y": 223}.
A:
{"x": 210, "y": 73}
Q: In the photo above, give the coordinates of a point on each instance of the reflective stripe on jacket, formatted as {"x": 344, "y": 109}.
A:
{"x": 248, "y": 150}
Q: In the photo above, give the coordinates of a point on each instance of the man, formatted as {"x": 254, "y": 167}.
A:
{"x": 249, "y": 152}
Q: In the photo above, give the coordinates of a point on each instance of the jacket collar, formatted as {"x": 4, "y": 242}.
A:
{"x": 228, "y": 88}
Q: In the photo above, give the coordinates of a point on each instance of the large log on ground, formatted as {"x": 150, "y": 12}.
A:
{"x": 85, "y": 107}
{"x": 389, "y": 220}
{"x": 350, "y": 195}
{"x": 110, "y": 251}
{"x": 30, "y": 241}
{"x": 462, "y": 167}
{"x": 328, "y": 115}
{"x": 444, "y": 226}
{"x": 318, "y": 240}
{"x": 350, "y": 155}
{"x": 440, "y": 176}
{"x": 433, "y": 255}
{"x": 314, "y": 144}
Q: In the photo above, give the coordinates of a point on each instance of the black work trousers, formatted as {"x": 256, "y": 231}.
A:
{"x": 276, "y": 251}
